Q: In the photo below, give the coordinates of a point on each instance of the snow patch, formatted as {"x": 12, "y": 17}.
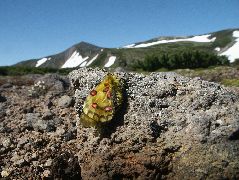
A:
{"x": 42, "y": 61}
{"x": 217, "y": 49}
{"x": 233, "y": 52}
{"x": 235, "y": 34}
{"x": 201, "y": 38}
{"x": 83, "y": 64}
{"x": 102, "y": 50}
{"x": 75, "y": 60}
{"x": 129, "y": 46}
{"x": 111, "y": 61}
{"x": 91, "y": 61}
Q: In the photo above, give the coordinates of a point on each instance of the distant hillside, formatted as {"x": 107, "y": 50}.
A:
{"x": 225, "y": 42}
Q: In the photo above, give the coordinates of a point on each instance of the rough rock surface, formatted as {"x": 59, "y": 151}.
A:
{"x": 35, "y": 130}
{"x": 171, "y": 127}
{"x": 65, "y": 101}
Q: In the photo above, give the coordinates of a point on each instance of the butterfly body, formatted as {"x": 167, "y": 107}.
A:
{"x": 102, "y": 102}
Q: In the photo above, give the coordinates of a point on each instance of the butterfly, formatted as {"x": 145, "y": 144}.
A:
{"x": 102, "y": 102}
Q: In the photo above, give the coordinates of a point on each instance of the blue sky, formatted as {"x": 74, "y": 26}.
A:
{"x": 37, "y": 28}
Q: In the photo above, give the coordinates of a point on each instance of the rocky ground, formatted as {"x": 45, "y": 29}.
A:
{"x": 170, "y": 127}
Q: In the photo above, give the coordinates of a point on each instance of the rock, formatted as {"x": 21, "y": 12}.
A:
{"x": 60, "y": 131}
{"x": 47, "y": 115}
{"x": 46, "y": 174}
{"x": 6, "y": 142}
{"x": 4, "y": 128}
{"x": 22, "y": 141}
{"x": 169, "y": 127}
{"x": 34, "y": 121}
{"x": 48, "y": 163}
{"x": 48, "y": 103}
{"x": 5, "y": 173}
{"x": 2, "y": 110}
{"x": 2, "y": 98}
{"x": 28, "y": 109}
{"x": 119, "y": 69}
{"x": 54, "y": 82}
{"x": 69, "y": 135}
{"x": 20, "y": 162}
{"x": 34, "y": 156}
{"x": 65, "y": 101}
{"x": 6, "y": 85}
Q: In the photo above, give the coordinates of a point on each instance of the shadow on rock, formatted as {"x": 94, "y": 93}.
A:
{"x": 106, "y": 129}
{"x": 66, "y": 167}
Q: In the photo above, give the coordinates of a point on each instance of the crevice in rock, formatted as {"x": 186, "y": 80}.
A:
{"x": 234, "y": 135}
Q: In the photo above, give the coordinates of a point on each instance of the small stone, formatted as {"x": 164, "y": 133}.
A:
{"x": 22, "y": 142}
{"x": 5, "y": 173}
{"x": 2, "y": 98}
{"x": 60, "y": 131}
{"x": 48, "y": 163}
{"x": 34, "y": 156}
{"x": 69, "y": 135}
{"x": 35, "y": 163}
{"x": 34, "y": 121}
{"x": 28, "y": 110}
{"x": 65, "y": 101}
{"x": 20, "y": 162}
{"x": 15, "y": 157}
{"x": 46, "y": 173}
{"x": 47, "y": 115}
{"x": 6, "y": 142}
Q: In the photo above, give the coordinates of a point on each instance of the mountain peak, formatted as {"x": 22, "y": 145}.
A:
{"x": 84, "y": 44}
{"x": 224, "y": 42}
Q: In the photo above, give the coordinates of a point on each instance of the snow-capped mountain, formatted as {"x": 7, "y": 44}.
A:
{"x": 225, "y": 42}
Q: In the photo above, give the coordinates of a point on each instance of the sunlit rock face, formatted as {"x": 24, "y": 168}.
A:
{"x": 171, "y": 127}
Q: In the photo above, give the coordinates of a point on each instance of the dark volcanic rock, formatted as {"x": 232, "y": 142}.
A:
{"x": 2, "y": 98}
{"x": 172, "y": 127}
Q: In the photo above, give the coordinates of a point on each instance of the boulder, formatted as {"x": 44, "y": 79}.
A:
{"x": 170, "y": 127}
{"x": 54, "y": 82}
{"x": 35, "y": 121}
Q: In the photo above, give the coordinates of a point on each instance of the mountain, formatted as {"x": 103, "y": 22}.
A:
{"x": 225, "y": 42}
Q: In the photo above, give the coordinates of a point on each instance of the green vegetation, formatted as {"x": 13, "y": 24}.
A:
{"x": 100, "y": 60}
{"x": 20, "y": 70}
{"x": 231, "y": 82}
{"x": 226, "y": 75}
{"x": 223, "y": 38}
{"x": 236, "y": 62}
{"x": 180, "y": 60}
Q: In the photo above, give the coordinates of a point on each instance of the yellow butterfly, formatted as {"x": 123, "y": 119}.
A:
{"x": 102, "y": 102}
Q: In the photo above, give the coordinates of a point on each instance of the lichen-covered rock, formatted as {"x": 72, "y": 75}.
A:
{"x": 172, "y": 127}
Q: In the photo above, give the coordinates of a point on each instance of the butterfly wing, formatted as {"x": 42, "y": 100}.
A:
{"x": 102, "y": 102}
